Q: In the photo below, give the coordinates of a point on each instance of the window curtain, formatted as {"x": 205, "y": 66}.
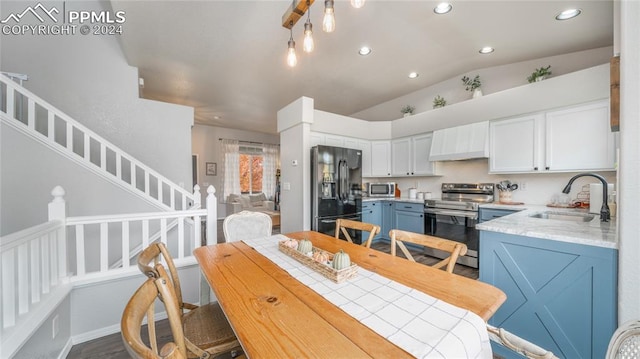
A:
{"x": 270, "y": 163}
{"x": 230, "y": 168}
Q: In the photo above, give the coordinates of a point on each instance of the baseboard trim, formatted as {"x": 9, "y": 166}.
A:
{"x": 66, "y": 349}
{"x": 103, "y": 332}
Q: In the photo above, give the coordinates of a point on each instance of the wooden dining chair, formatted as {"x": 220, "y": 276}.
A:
{"x": 246, "y": 225}
{"x": 456, "y": 249}
{"x": 206, "y": 329}
{"x": 342, "y": 226}
{"x": 142, "y": 304}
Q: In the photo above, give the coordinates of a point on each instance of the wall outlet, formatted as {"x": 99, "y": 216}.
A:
{"x": 286, "y": 186}
{"x": 522, "y": 186}
{"x": 55, "y": 327}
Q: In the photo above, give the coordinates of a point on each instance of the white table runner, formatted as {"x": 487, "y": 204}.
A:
{"x": 420, "y": 324}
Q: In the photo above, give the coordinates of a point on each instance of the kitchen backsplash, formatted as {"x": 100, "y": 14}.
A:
{"x": 538, "y": 188}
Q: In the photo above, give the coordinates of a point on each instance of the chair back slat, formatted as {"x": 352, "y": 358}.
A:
{"x": 343, "y": 224}
{"x": 456, "y": 249}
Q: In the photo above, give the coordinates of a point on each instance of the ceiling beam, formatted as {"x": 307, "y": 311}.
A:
{"x": 297, "y": 9}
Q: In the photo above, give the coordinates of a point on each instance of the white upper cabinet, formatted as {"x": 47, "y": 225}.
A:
{"x": 380, "y": 158}
{"x": 401, "y": 157}
{"x": 365, "y": 147}
{"x": 515, "y": 144}
{"x": 580, "y": 138}
{"x": 410, "y": 156}
{"x": 333, "y": 140}
{"x": 576, "y": 138}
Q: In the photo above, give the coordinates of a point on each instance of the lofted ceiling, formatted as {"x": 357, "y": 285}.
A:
{"x": 227, "y": 58}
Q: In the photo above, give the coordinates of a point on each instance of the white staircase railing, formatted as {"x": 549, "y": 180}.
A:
{"x": 31, "y": 115}
{"x": 41, "y": 264}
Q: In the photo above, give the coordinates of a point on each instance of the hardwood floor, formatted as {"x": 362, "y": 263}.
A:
{"x": 111, "y": 346}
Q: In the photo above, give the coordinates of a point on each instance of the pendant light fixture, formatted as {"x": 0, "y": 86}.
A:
{"x": 329, "y": 20}
{"x": 296, "y": 11}
{"x": 357, "y": 3}
{"x": 307, "y": 44}
{"x": 292, "y": 59}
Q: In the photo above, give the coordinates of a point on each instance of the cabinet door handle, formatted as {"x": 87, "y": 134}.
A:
{"x": 546, "y": 168}
{"x": 407, "y": 173}
{"x": 535, "y": 168}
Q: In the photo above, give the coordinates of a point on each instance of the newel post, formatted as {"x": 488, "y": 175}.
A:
{"x": 57, "y": 207}
{"x": 212, "y": 216}
{"x": 58, "y": 211}
{"x": 197, "y": 198}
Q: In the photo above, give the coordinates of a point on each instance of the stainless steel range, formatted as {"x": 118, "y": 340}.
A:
{"x": 454, "y": 217}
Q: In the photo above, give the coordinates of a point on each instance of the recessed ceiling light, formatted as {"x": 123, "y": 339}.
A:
{"x": 364, "y": 50}
{"x": 216, "y": 117}
{"x": 487, "y": 50}
{"x": 443, "y": 8}
{"x": 568, "y": 14}
{"x": 413, "y": 75}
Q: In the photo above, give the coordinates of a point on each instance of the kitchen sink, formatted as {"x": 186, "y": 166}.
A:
{"x": 564, "y": 216}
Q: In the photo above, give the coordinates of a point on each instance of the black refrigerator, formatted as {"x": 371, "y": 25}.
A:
{"x": 336, "y": 188}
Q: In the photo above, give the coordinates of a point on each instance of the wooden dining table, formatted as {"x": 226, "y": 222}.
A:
{"x": 276, "y": 316}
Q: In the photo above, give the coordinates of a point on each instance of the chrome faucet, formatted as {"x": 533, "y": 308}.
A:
{"x": 605, "y": 215}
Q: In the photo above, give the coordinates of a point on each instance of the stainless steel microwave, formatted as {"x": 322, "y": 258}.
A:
{"x": 382, "y": 189}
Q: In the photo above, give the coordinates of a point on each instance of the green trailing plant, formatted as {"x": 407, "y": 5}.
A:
{"x": 471, "y": 84}
{"x": 540, "y": 73}
{"x": 407, "y": 109}
{"x": 439, "y": 102}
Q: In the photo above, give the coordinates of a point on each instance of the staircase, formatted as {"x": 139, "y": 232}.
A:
{"x": 34, "y": 117}
{"x": 43, "y": 266}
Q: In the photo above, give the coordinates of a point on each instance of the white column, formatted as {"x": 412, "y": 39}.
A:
{"x": 212, "y": 238}
{"x": 629, "y": 163}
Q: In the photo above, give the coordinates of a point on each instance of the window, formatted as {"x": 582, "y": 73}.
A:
{"x": 251, "y": 165}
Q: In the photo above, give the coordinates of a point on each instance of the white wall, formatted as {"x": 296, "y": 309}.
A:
{"x": 30, "y": 171}
{"x": 42, "y": 344}
{"x": 493, "y": 79}
{"x": 327, "y": 122}
{"x": 88, "y": 78}
{"x": 206, "y": 144}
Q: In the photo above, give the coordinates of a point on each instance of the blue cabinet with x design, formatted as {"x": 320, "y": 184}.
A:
{"x": 561, "y": 296}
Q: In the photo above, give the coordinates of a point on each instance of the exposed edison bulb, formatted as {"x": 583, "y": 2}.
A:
{"x": 307, "y": 44}
{"x": 329, "y": 20}
{"x": 357, "y": 3}
{"x": 292, "y": 59}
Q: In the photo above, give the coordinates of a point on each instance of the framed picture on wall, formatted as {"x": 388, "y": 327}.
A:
{"x": 212, "y": 169}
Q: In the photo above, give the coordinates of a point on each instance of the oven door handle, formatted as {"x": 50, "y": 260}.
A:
{"x": 453, "y": 213}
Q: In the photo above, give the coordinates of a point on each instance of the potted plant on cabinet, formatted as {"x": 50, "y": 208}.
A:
{"x": 407, "y": 110}
{"x": 439, "y": 102}
{"x": 539, "y": 74}
{"x": 473, "y": 85}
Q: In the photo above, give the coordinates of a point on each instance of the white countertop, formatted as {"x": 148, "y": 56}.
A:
{"x": 593, "y": 233}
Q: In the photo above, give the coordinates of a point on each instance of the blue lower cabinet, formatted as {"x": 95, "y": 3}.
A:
{"x": 371, "y": 213}
{"x": 388, "y": 222}
{"x": 409, "y": 217}
{"x": 560, "y": 296}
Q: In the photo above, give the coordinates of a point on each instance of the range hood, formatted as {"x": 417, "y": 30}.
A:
{"x": 461, "y": 142}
